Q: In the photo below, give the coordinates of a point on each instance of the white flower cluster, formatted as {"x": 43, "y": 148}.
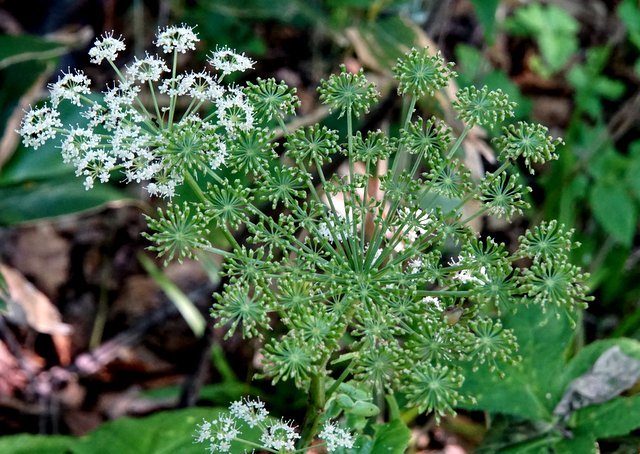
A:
{"x": 148, "y": 141}
{"x": 335, "y": 437}
{"x": 277, "y": 435}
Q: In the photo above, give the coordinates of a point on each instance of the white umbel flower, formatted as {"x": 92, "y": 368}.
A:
{"x": 106, "y": 48}
{"x": 38, "y": 126}
{"x": 335, "y": 437}
{"x": 147, "y": 69}
{"x": 227, "y": 61}
{"x": 250, "y": 411}
{"x": 280, "y": 435}
{"x": 179, "y": 38}
{"x": 70, "y": 86}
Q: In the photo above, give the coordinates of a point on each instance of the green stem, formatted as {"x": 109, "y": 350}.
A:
{"x": 172, "y": 102}
{"x": 315, "y": 410}
{"x": 343, "y": 376}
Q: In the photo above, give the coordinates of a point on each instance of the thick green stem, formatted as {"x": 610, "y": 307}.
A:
{"x": 315, "y": 410}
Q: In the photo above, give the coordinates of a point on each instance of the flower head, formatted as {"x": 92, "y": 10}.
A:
{"x": 531, "y": 141}
{"x": 227, "y": 61}
{"x": 483, "y": 106}
{"x": 106, "y": 48}
{"x": 70, "y": 86}
{"x": 219, "y": 433}
{"x": 147, "y": 69}
{"x": 250, "y": 411}
{"x": 419, "y": 73}
{"x": 348, "y": 93}
{"x": 178, "y": 38}
{"x": 335, "y": 437}
{"x": 39, "y": 125}
{"x": 280, "y": 435}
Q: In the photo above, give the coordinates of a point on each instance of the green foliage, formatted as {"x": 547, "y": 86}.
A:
{"x": 554, "y": 30}
{"x": 532, "y": 389}
{"x": 486, "y": 13}
{"x": 162, "y": 432}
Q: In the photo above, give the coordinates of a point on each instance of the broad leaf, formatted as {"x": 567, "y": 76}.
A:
{"x": 51, "y": 198}
{"x": 41, "y": 444}
{"x": 166, "y": 432}
{"x": 18, "y": 49}
{"x": 531, "y": 388}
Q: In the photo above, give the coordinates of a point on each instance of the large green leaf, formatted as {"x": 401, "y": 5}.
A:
{"x": 41, "y": 444}
{"x": 531, "y": 388}
{"x": 18, "y": 49}
{"x": 45, "y": 199}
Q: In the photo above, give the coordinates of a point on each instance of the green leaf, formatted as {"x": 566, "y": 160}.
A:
{"x": 629, "y": 14}
{"x": 185, "y": 306}
{"x": 614, "y": 418}
{"x": 22, "y": 48}
{"x": 486, "y": 12}
{"x": 41, "y": 444}
{"x": 585, "y": 359}
{"x": 614, "y": 210}
{"x": 391, "y": 438}
{"x": 554, "y": 30}
{"x": 582, "y": 443}
{"x": 632, "y": 176}
{"x": 162, "y": 433}
{"x": 530, "y": 388}
{"x": 51, "y": 198}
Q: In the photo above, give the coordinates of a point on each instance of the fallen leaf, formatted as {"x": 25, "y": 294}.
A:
{"x": 28, "y": 306}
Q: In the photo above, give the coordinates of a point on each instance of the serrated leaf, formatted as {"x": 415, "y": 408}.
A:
{"x": 614, "y": 210}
